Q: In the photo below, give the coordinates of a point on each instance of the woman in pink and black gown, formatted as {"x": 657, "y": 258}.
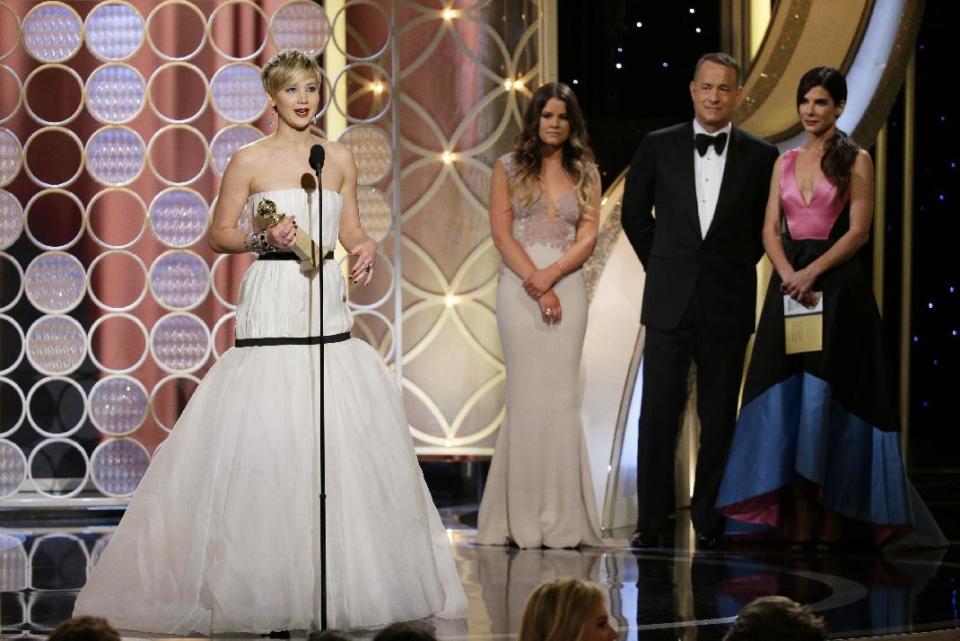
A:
{"x": 817, "y": 450}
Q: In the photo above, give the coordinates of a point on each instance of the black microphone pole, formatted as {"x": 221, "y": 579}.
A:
{"x": 316, "y": 161}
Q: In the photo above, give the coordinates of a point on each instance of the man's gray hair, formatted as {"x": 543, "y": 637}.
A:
{"x": 719, "y": 58}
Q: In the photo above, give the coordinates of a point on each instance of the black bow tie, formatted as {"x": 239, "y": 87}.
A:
{"x": 703, "y": 142}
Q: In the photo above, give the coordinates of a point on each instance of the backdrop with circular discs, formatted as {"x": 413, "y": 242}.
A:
{"x": 117, "y": 120}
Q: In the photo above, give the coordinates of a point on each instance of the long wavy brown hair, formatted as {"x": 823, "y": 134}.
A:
{"x": 578, "y": 159}
{"x": 840, "y": 152}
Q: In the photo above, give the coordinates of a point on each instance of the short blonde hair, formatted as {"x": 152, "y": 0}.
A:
{"x": 558, "y": 610}
{"x": 285, "y": 67}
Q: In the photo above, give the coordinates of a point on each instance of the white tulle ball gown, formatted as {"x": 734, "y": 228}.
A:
{"x": 223, "y": 533}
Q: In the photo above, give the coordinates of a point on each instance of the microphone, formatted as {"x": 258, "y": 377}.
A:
{"x": 317, "y": 156}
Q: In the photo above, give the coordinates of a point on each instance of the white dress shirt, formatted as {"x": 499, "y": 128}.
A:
{"x": 708, "y": 175}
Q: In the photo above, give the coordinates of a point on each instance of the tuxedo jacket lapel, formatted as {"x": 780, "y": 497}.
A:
{"x": 683, "y": 157}
{"x": 734, "y": 175}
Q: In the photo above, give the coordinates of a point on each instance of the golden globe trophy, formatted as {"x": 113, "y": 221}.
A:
{"x": 303, "y": 247}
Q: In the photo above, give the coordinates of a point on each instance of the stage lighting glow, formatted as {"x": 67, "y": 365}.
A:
{"x": 227, "y": 141}
{"x": 14, "y": 466}
{"x": 114, "y": 31}
{"x": 371, "y": 151}
{"x": 180, "y": 343}
{"x": 56, "y": 344}
{"x": 11, "y": 219}
{"x": 117, "y": 465}
{"x": 55, "y": 282}
{"x": 11, "y": 156}
{"x": 237, "y": 92}
{"x": 301, "y": 24}
{"x": 116, "y": 93}
{"x": 115, "y": 155}
{"x": 179, "y": 280}
{"x": 52, "y": 32}
{"x": 375, "y": 212}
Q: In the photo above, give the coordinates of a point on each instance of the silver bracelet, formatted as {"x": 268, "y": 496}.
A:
{"x": 257, "y": 243}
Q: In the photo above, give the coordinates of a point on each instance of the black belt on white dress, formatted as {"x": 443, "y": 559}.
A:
{"x": 291, "y": 340}
{"x": 288, "y": 256}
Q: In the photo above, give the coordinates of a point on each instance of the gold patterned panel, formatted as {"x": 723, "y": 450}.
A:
{"x": 466, "y": 73}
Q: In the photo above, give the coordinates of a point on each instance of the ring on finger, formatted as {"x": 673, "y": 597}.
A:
{"x": 368, "y": 267}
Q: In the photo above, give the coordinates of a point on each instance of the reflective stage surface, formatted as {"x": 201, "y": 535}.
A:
{"x": 672, "y": 593}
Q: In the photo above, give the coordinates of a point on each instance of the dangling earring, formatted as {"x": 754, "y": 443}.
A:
{"x": 271, "y": 121}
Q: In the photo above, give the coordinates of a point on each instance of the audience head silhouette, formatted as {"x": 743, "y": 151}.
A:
{"x": 84, "y": 629}
{"x": 776, "y": 618}
{"x": 327, "y": 635}
{"x": 405, "y": 632}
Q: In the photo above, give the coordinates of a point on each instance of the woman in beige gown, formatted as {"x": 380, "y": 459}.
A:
{"x": 544, "y": 207}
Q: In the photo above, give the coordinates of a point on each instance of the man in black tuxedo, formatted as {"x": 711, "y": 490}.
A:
{"x": 707, "y": 183}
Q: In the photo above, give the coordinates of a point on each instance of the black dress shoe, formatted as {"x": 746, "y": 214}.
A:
{"x": 645, "y": 539}
{"x": 708, "y": 541}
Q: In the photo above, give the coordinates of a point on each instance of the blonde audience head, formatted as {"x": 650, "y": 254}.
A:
{"x": 566, "y": 610}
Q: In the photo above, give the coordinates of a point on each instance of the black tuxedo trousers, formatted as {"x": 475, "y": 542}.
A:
{"x": 667, "y": 357}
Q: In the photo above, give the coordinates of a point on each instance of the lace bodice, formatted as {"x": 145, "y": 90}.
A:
{"x": 534, "y": 223}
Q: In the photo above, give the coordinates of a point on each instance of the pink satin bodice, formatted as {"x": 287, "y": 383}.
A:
{"x": 812, "y": 220}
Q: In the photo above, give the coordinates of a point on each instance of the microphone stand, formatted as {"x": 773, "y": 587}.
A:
{"x": 323, "y": 410}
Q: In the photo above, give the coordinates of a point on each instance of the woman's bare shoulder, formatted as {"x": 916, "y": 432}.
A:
{"x": 335, "y": 150}
{"x": 252, "y": 153}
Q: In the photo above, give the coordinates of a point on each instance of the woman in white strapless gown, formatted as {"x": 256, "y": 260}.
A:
{"x": 223, "y": 533}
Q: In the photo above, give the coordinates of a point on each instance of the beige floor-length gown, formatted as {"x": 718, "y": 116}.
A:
{"x": 539, "y": 491}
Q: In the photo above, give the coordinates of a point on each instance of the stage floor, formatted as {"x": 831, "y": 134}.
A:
{"x": 674, "y": 593}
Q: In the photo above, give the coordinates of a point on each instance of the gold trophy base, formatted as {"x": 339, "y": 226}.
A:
{"x": 303, "y": 246}
{"x": 307, "y": 251}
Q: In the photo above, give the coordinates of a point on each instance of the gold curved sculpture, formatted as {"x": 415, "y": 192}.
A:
{"x": 803, "y": 34}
